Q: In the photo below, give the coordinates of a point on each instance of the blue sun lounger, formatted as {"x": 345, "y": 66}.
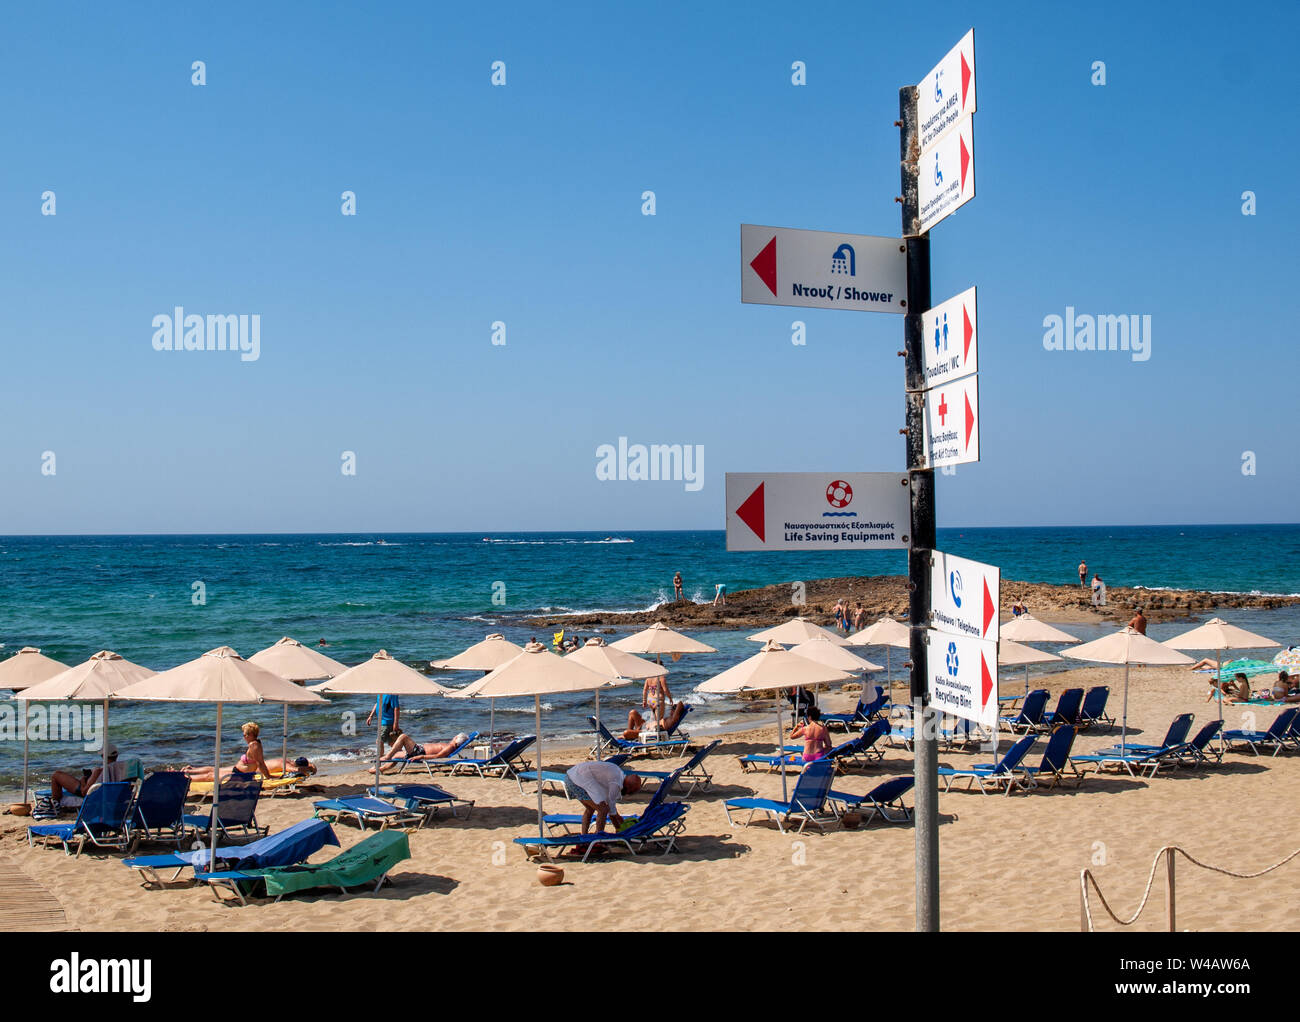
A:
{"x": 1280, "y": 734}
{"x": 284, "y": 848}
{"x": 1055, "y": 761}
{"x": 506, "y": 763}
{"x": 807, "y": 803}
{"x": 160, "y": 807}
{"x": 692, "y": 770}
{"x": 1176, "y": 735}
{"x": 1030, "y": 717}
{"x": 607, "y": 740}
{"x": 403, "y": 761}
{"x": 1093, "y": 710}
{"x": 1199, "y": 749}
{"x": 236, "y": 808}
{"x": 428, "y": 799}
{"x": 1005, "y": 772}
{"x": 880, "y": 800}
{"x": 367, "y": 862}
{"x": 661, "y": 826}
{"x": 104, "y": 820}
{"x": 1068, "y": 705}
{"x": 366, "y": 809}
{"x": 861, "y": 715}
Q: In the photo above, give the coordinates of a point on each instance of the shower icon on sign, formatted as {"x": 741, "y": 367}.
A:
{"x": 844, "y": 261}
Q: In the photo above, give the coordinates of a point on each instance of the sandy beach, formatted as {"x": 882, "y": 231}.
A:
{"x": 1007, "y": 863}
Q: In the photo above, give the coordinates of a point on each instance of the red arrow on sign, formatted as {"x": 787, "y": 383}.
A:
{"x": 970, "y": 419}
{"x": 989, "y": 608}
{"x": 965, "y": 80}
{"x": 969, "y": 330}
{"x": 986, "y": 680}
{"x": 965, "y": 162}
{"x": 764, "y": 264}
{"x": 751, "y": 511}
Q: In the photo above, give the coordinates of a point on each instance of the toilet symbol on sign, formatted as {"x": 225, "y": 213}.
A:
{"x": 844, "y": 261}
{"x": 941, "y": 334}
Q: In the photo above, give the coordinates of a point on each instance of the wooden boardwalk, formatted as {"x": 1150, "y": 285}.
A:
{"x": 26, "y": 905}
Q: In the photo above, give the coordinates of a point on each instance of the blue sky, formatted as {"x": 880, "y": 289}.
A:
{"x": 522, "y": 204}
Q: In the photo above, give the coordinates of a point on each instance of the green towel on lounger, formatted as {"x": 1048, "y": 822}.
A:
{"x": 363, "y": 863}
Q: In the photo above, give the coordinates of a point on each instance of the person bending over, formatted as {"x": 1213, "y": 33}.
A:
{"x": 604, "y": 783}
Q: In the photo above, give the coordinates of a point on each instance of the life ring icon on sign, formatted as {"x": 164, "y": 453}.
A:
{"x": 844, "y": 261}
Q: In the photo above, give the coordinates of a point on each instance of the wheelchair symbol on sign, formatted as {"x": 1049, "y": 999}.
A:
{"x": 938, "y": 92}
{"x": 938, "y": 174}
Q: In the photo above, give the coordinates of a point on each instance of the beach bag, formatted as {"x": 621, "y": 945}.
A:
{"x": 44, "y": 808}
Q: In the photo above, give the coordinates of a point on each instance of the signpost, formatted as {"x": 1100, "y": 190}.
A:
{"x": 946, "y": 178}
{"x": 817, "y": 510}
{"x": 963, "y": 677}
{"x": 951, "y": 339}
{"x": 821, "y": 269}
{"x": 964, "y": 596}
{"x": 952, "y": 423}
{"x": 952, "y": 602}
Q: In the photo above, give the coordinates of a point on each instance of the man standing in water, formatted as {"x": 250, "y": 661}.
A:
{"x": 1083, "y": 573}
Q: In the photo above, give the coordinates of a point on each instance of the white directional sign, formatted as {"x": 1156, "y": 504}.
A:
{"x": 822, "y": 270}
{"x": 951, "y": 340}
{"x": 946, "y": 175}
{"x": 964, "y": 596}
{"x": 952, "y": 423}
{"x": 963, "y": 677}
{"x": 818, "y": 510}
{"x": 947, "y": 93}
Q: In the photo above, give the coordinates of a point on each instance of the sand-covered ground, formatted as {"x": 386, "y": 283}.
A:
{"x": 1006, "y": 863}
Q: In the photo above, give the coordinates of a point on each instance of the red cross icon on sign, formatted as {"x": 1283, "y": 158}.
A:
{"x": 943, "y": 410}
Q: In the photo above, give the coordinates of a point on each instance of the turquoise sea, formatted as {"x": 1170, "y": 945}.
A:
{"x": 427, "y": 596}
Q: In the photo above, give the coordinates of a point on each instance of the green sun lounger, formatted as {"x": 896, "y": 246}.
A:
{"x": 366, "y": 862}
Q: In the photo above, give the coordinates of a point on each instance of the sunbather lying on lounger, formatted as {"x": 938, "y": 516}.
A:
{"x": 65, "y": 782}
{"x": 410, "y": 748}
{"x": 637, "y": 723}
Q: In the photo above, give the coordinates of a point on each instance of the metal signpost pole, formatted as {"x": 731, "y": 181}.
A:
{"x": 922, "y": 532}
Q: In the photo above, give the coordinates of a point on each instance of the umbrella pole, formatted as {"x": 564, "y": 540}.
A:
{"x": 598, "y": 720}
{"x": 216, "y": 796}
{"x": 1026, "y": 681}
{"x": 492, "y": 725}
{"x": 26, "y": 705}
{"x": 1123, "y": 731}
{"x": 1219, "y": 699}
{"x": 780, "y": 746}
{"x": 103, "y": 746}
{"x": 284, "y": 744}
{"x": 537, "y": 713}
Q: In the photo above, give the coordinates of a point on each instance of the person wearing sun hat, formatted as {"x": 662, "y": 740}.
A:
{"x": 64, "y": 783}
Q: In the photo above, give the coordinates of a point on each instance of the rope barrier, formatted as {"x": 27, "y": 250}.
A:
{"x": 1086, "y": 876}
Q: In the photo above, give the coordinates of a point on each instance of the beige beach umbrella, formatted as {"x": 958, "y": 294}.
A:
{"x": 88, "y": 682}
{"x": 659, "y": 639}
{"x": 1127, "y": 646}
{"x": 831, "y": 654}
{"x": 1218, "y": 635}
{"x": 1027, "y": 628}
{"x": 616, "y": 664}
{"x": 27, "y": 667}
{"x": 535, "y": 672}
{"x": 1014, "y": 654}
{"x": 293, "y": 661}
{"x": 773, "y": 667}
{"x": 487, "y": 655}
{"x": 218, "y": 676}
{"x": 888, "y": 633}
{"x": 382, "y": 675}
{"x": 796, "y": 630}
